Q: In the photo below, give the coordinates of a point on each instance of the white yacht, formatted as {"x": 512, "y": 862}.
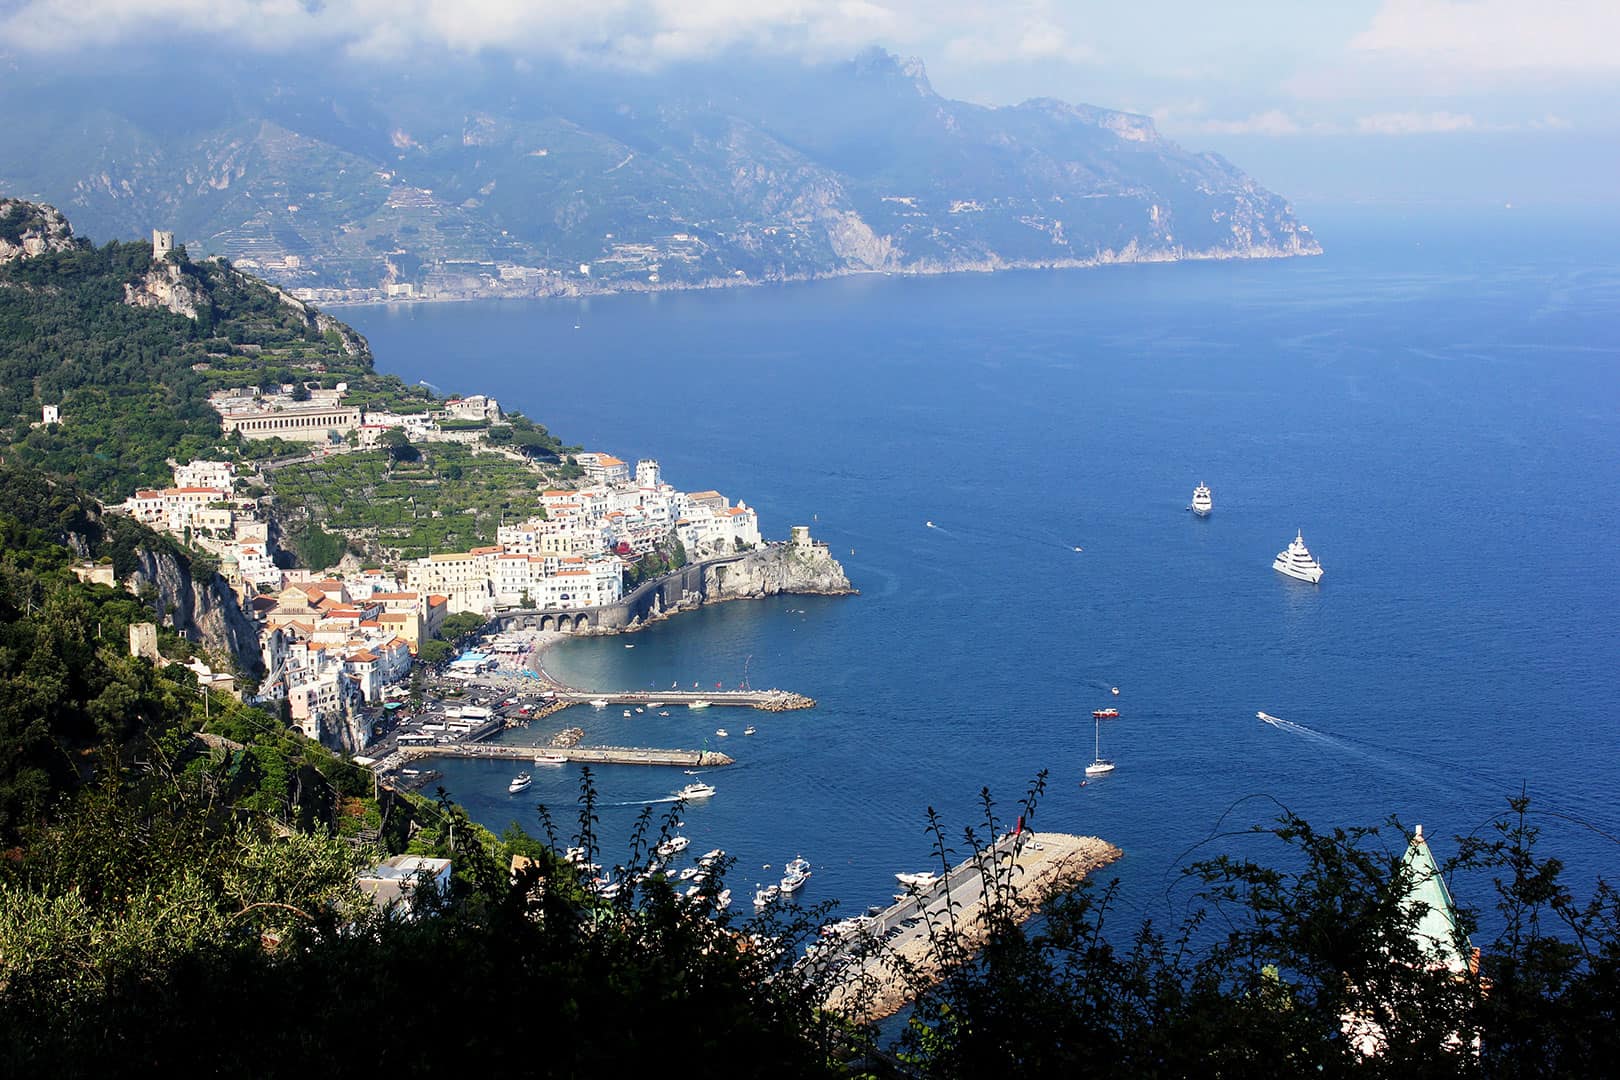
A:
{"x": 550, "y": 759}
{"x": 798, "y": 865}
{"x": 1297, "y": 562}
{"x": 696, "y": 791}
{"x": 698, "y": 704}
{"x": 765, "y": 896}
{"x": 792, "y": 882}
{"x": 672, "y": 845}
{"x": 920, "y": 881}
{"x": 1099, "y": 764}
{"x": 599, "y": 703}
{"x": 723, "y": 901}
{"x": 519, "y": 782}
{"x": 1202, "y": 502}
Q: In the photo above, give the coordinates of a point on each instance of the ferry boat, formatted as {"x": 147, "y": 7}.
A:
{"x": 1202, "y": 502}
{"x": 696, "y": 791}
{"x": 1297, "y": 563}
{"x": 550, "y": 759}
{"x": 519, "y": 782}
{"x": 1105, "y": 714}
{"x": 599, "y": 703}
{"x": 699, "y": 704}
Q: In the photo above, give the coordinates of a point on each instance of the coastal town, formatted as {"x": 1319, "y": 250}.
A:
{"x": 336, "y": 643}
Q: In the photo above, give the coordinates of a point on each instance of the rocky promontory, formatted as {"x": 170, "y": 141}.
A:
{"x": 806, "y": 568}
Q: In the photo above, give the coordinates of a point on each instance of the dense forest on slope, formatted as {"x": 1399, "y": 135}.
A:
{"x": 131, "y": 381}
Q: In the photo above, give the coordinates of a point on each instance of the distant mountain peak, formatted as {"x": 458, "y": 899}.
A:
{"x": 880, "y": 61}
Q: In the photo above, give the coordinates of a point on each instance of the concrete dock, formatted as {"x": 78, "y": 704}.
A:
{"x": 588, "y": 755}
{"x": 865, "y": 968}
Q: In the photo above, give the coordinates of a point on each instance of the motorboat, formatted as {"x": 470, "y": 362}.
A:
{"x": 689, "y": 873}
{"x": 798, "y": 865}
{"x": 930, "y": 524}
{"x": 627, "y": 714}
{"x": 672, "y": 846}
{"x": 655, "y": 704}
{"x": 550, "y": 759}
{"x": 1105, "y": 714}
{"x": 1202, "y": 502}
{"x": 792, "y": 883}
{"x": 698, "y": 704}
{"x": 1296, "y": 561}
{"x": 519, "y": 782}
{"x": 918, "y": 881}
{"x": 723, "y": 901}
{"x": 749, "y": 730}
{"x": 640, "y": 709}
{"x": 663, "y": 712}
{"x": 1114, "y": 690}
{"x": 766, "y": 896}
{"x": 599, "y": 703}
{"x": 698, "y": 790}
{"x": 721, "y": 732}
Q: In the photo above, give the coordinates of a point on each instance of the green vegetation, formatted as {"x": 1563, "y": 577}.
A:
{"x": 123, "y": 376}
{"x": 451, "y": 499}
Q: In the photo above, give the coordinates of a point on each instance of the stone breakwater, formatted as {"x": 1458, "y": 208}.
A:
{"x": 885, "y": 977}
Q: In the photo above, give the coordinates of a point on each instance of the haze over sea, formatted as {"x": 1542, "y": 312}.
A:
{"x": 1435, "y": 402}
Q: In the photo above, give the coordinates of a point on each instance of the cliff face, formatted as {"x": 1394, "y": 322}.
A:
{"x": 28, "y": 229}
{"x": 167, "y": 286}
{"x": 207, "y": 613}
{"x": 776, "y": 569}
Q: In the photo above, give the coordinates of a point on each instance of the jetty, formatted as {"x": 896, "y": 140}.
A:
{"x": 765, "y": 700}
{"x": 586, "y": 755}
{"x": 882, "y": 961}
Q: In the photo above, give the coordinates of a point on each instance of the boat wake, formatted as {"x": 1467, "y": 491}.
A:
{"x": 644, "y": 802}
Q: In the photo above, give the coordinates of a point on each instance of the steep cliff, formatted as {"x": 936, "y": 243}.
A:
{"x": 207, "y": 612}
{"x": 28, "y": 229}
{"x": 775, "y": 569}
{"x": 166, "y": 285}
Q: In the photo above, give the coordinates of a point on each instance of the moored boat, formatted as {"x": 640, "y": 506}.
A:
{"x": 698, "y": 704}
{"x": 1296, "y": 561}
{"x": 1105, "y": 714}
{"x": 550, "y": 759}
{"x": 1202, "y": 501}
{"x": 918, "y": 881}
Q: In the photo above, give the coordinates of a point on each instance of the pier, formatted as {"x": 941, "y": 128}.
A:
{"x": 586, "y": 755}
{"x": 868, "y": 967}
{"x": 765, "y": 700}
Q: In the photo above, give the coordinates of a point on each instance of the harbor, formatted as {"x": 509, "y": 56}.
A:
{"x": 582, "y": 755}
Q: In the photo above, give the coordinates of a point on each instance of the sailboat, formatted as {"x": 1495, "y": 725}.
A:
{"x": 1100, "y": 765}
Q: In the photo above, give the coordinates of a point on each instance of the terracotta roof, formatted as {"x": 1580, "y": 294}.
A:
{"x": 363, "y": 657}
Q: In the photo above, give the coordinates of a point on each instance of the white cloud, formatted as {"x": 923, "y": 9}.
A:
{"x": 1414, "y": 123}
{"x": 637, "y": 32}
{"x": 1496, "y": 35}
{"x": 1270, "y": 122}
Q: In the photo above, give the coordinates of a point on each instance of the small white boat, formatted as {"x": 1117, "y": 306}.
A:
{"x": 710, "y": 856}
{"x": 629, "y": 646}
{"x": 764, "y": 897}
{"x": 698, "y": 704}
{"x": 1296, "y": 562}
{"x": 749, "y": 730}
{"x": 519, "y": 782}
{"x": 640, "y": 709}
{"x": 550, "y": 759}
{"x": 930, "y": 524}
{"x": 627, "y": 714}
{"x": 798, "y": 865}
{"x": 673, "y": 845}
{"x": 689, "y": 873}
{"x": 696, "y": 791}
{"x": 792, "y": 883}
{"x": 655, "y": 704}
{"x": 721, "y": 732}
{"x": 1079, "y": 549}
{"x": 1114, "y": 690}
{"x": 663, "y": 712}
{"x": 919, "y": 881}
{"x": 723, "y": 901}
{"x": 599, "y": 703}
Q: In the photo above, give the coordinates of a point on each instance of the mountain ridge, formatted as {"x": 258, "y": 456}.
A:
{"x": 557, "y": 183}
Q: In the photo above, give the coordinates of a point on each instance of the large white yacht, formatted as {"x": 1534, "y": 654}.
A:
{"x": 1297, "y": 562}
{"x": 1202, "y": 502}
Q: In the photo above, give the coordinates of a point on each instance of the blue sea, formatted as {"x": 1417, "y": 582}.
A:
{"x": 1435, "y": 403}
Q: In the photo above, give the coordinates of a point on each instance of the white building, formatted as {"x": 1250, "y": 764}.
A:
{"x": 205, "y": 474}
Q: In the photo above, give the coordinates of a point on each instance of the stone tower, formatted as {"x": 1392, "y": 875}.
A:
{"x": 143, "y": 641}
{"x": 162, "y": 243}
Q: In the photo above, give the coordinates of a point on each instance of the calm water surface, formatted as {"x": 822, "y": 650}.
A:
{"x": 1436, "y": 403}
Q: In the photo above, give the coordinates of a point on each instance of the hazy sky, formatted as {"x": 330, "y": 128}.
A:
{"x": 1277, "y": 68}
